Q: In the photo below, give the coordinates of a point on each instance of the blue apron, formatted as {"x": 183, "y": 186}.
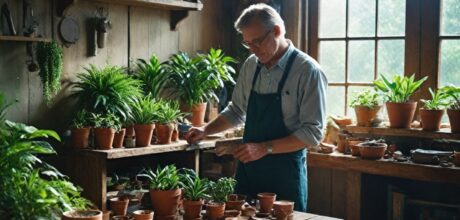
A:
{"x": 283, "y": 174}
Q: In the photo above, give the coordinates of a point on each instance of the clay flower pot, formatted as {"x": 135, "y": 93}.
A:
{"x": 119, "y": 137}
{"x": 401, "y": 114}
{"x": 106, "y": 215}
{"x": 130, "y": 131}
{"x": 119, "y": 205}
{"x": 235, "y": 202}
{"x": 231, "y": 213}
{"x": 192, "y": 209}
{"x": 80, "y": 137}
{"x": 82, "y": 215}
{"x": 266, "y": 202}
{"x": 164, "y": 133}
{"x": 342, "y": 143}
{"x": 143, "y": 215}
{"x": 352, "y": 144}
{"x": 454, "y": 120}
{"x": 143, "y": 134}
{"x": 372, "y": 150}
{"x": 365, "y": 116}
{"x": 104, "y": 138}
{"x": 175, "y": 134}
{"x": 215, "y": 211}
{"x": 249, "y": 211}
{"x": 283, "y": 209}
{"x": 431, "y": 119}
{"x": 198, "y": 113}
{"x": 165, "y": 203}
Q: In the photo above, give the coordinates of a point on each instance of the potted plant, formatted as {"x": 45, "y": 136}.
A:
{"x": 80, "y": 129}
{"x": 366, "y": 105}
{"x": 164, "y": 190}
{"x": 195, "y": 191}
{"x": 219, "y": 191}
{"x": 397, "y": 92}
{"x": 50, "y": 63}
{"x": 143, "y": 117}
{"x": 432, "y": 111}
{"x": 374, "y": 149}
{"x": 143, "y": 215}
{"x": 453, "y": 111}
{"x": 105, "y": 126}
{"x": 153, "y": 76}
{"x": 167, "y": 116}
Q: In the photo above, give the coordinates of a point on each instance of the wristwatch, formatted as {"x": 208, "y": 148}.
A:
{"x": 269, "y": 146}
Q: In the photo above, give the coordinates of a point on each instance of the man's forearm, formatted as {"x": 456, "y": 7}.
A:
{"x": 217, "y": 125}
{"x": 286, "y": 144}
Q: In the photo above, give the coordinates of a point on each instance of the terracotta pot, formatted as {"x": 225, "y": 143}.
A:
{"x": 143, "y": 134}
{"x": 198, "y": 113}
{"x": 352, "y": 144}
{"x": 119, "y": 137}
{"x": 372, "y": 152}
{"x": 215, "y": 211}
{"x": 365, "y": 116}
{"x": 80, "y": 137}
{"x": 130, "y": 131}
{"x": 192, "y": 209}
{"x": 231, "y": 213}
{"x": 401, "y": 114}
{"x": 164, "y": 133}
{"x": 104, "y": 138}
{"x": 82, "y": 215}
{"x": 342, "y": 143}
{"x": 165, "y": 203}
{"x": 143, "y": 215}
{"x": 249, "y": 211}
{"x": 282, "y": 209}
{"x": 119, "y": 205}
{"x": 106, "y": 215}
{"x": 175, "y": 134}
{"x": 266, "y": 202}
{"x": 431, "y": 119}
{"x": 235, "y": 202}
{"x": 454, "y": 120}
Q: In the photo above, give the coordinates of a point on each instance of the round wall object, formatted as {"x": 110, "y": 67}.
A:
{"x": 69, "y": 30}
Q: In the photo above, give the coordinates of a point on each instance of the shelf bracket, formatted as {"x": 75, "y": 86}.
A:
{"x": 62, "y": 5}
{"x": 176, "y": 18}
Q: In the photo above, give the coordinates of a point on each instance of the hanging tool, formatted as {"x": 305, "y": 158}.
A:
{"x": 9, "y": 20}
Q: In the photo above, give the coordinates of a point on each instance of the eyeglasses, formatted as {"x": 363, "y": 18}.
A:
{"x": 256, "y": 42}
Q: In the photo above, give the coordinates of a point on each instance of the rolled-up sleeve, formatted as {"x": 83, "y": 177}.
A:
{"x": 312, "y": 113}
{"x": 235, "y": 112}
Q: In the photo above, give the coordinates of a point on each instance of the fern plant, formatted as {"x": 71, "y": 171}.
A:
{"x": 166, "y": 178}
{"x": 49, "y": 58}
{"x": 400, "y": 88}
{"x": 437, "y": 102}
{"x": 193, "y": 188}
{"x": 144, "y": 111}
{"x": 153, "y": 76}
{"x": 168, "y": 112}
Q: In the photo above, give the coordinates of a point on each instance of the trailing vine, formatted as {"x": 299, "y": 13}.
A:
{"x": 49, "y": 58}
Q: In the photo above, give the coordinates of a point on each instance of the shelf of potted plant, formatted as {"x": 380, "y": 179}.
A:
{"x": 443, "y": 133}
{"x": 453, "y": 109}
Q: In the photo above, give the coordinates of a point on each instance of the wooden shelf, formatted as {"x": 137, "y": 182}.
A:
{"x": 24, "y": 39}
{"x": 419, "y": 133}
{"x": 385, "y": 167}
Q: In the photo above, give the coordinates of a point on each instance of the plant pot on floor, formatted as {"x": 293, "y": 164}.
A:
{"x": 454, "y": 120}
{"x": 82, "y": 215}
{"x": 365, "y": 116}
{"x": 192, "y": 209}
{"x": 119, "y": 138}
{"x": 215, "y": 211}
{"x": 165, "y": 203}
{"x": 235, "y": 202}
{"x": 143, "y": 134}
{"x": 164, "y": 133}
{"x": 431, "y": 119}
{"x": 143, "y": 215}
{"x": 119, "y": 205}
{"x": 401, "y": 114}
{"x": 266, "y": 202}
{"x": 104, "y": 138}
{"x": 282, "y": 209}
{"x": 80, "y": 137}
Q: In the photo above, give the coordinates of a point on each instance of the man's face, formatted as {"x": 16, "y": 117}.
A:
{"x": 260, "y": 41}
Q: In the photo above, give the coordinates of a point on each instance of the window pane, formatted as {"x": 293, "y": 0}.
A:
{"x": 361, "y": 21}
{"x": 332, "y": 60}
{"x": 352, "y": 90}
{"x": 392, "y": 17}
{"x": 332, "y": 18}
{"x": 361, "y": 61}
{"x": 335, "y": 100}
{"x": 450, "y": 63}
{"x": 390, "y": 57}
{"x": 450, "y": 17}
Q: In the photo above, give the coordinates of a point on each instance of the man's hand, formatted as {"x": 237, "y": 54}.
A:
{"x": 195, "y": 135}
{"x": 250, "y": 152}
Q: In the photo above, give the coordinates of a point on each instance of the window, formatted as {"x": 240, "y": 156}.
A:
{"x": 449, "y": 38}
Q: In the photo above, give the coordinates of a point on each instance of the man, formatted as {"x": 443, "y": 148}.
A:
{"x": 280, "y": 95}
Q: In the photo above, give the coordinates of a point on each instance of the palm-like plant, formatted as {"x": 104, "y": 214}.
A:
{"x": 166, "y": 178}
{"x": 168, "y": 112}
{"x": 153, "y": 76}
{"x": 107, "y": 89}
{"x": 216, "y": 61}
{"x": 194, "y": 188}
{"x": 437, "y": 102}
{"x": 453, "y": 93}
{"x": 400, "y": 88}
{"x": 144, "y": 111}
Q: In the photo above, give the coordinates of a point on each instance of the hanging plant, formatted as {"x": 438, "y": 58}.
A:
{"x": 49, "y": 57}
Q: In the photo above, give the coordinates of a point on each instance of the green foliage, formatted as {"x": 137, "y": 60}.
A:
{"x": 400, "y": 88}
{"x": 221, "y": 189}
{"x": 82, "y": 119}
{"x": 166, "y": 178}
{"x": 217, "y": 63}
{"x": 453, "y": 93}
{"x": 366, "y": 98}
{"x": 144, "y": 111}
{"x": 194, "y": 188}
{"x": 108, "y": 120}
{"x": 168, "y": 112}
{"x": 107, "y": 90}
{"x": 153, "y": 76}
{"x": 438, "y": 100}
{"x": 49, "y": 58}
{"x": 3, "y": 106}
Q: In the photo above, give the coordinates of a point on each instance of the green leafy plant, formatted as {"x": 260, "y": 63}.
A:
{"x": 438, "y": 100}
{"x": 82, "y": 119}
{"x": 453, "y": 93}
{"x": 221, "y": 189}
{"x": 144, "y": 111}
{"x": 153, "y": 76}
{"x": 49, "y": 58}
{"x": 168, "y": 112}
{"x": 166, "y": 178}
{"x": 367, "y": 98}
{"x": 108, "y": 120}
{"x": 3, "y": 106}
{"x": 400, "y": 88}
{"x": 193, "y": 188}
{"x": 107, "y": 90}
{"x": 219, "y": 64}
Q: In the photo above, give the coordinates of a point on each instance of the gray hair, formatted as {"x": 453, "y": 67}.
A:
{"x": 263, "y": 13}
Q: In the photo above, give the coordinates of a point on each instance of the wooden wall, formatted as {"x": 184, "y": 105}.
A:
{"x": 136, "y": 33}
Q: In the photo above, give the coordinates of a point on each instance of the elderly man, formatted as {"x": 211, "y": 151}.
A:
{"x": 280, "y": 96}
